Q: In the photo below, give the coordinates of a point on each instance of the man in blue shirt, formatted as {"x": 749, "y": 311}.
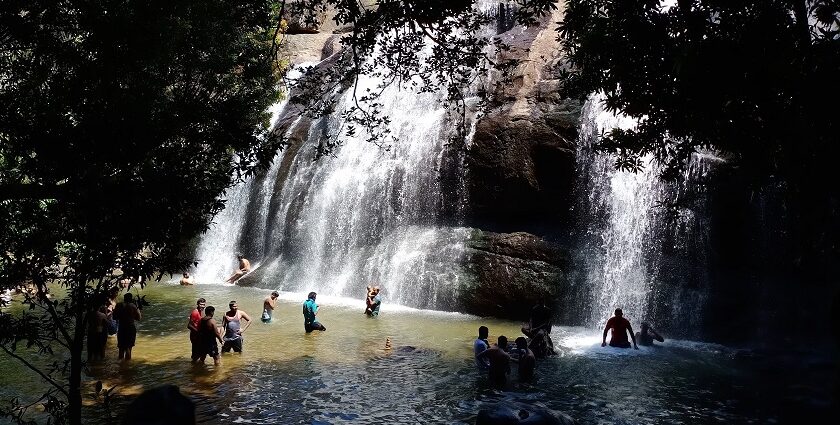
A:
{"x": 310, "y": 310}
{"x": 479, "y": 346}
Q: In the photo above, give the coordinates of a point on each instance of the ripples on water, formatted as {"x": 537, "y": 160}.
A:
{"x": 345, "y": 376}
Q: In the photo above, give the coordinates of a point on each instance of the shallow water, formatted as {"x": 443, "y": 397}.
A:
{"x": 344, "y": 375}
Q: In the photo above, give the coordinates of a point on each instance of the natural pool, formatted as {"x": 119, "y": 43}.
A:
{"x": 344, "y": 375}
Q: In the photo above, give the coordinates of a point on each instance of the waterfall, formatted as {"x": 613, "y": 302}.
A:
{"x": 218, "y": 247}
{"x": 364, "y": 215}
{"x": 636, "y": 255}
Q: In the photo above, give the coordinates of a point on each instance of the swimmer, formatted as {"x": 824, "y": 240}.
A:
{"x": 620, "y": 328}
{"x": 268, "y": 306}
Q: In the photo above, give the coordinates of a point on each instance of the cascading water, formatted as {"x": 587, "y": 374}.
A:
{"x": 218, "y": 247}
{"x": 632, "y": 245}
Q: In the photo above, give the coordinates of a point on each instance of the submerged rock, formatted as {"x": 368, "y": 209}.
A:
{"x": 509, "y": 273}
{"x": 512, "y": 413}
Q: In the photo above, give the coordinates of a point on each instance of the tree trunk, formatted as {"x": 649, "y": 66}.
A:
{"x": 74, "y": 398}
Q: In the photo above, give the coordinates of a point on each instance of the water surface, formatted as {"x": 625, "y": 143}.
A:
{"x": 345, "y": 375}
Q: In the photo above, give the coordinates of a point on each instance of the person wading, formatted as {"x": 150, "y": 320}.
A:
{"x": 232, "y": 324}
{"x": 192, "y": 325}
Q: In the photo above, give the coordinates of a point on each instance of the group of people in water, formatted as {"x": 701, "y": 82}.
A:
{"x": 109, "y": 318}
{"x": 496, "y": 360}
{"x": 206, "y": 334}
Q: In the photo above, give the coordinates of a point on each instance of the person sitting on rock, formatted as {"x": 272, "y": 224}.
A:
{"x": 648, "y": 335}
{"x": 541, "y": 320}
{"x": 620, "y": 328}
{"x": 244, "y": 268}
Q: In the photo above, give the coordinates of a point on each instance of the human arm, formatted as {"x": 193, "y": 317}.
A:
{"x": 216, "y": 330}
{"x": 190, "y": 324}
{"x": 135, "y": 312}
{"x": 245, "y": 316}
{"x": 655, "y": 335}
{"x": 604, "y": 339}
{"x": 632, "y": 336}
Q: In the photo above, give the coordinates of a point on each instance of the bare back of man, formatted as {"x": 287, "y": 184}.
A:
{"x": 244, "y": 268}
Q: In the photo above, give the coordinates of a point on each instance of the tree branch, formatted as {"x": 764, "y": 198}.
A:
{"x": 35, "y": 369}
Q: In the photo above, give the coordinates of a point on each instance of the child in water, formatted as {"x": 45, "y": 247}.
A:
{"x": 369, "y": 300}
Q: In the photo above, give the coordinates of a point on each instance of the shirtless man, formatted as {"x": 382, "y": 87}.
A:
{"x": 208, "y": 334}
{"x": 244, "y": 267}
{"x": 620, "y": 328}
{"x": 499, "y": 362}
{"x": 231, "y": 322}
{"x": 648, "y": 335}
{"x": 187, "y": 280}
{"x": 126, "y": 314}
{"x": 527, "y": 361}
{"x": 97, "y": 333}
{"x": 268, "y": 306}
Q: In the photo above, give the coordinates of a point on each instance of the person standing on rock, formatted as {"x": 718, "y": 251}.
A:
{"x": 620, "y": 328}
{"x": 244, "y": 268}
{"x": 310, "y": 310}
{"x": 481, "y": 345}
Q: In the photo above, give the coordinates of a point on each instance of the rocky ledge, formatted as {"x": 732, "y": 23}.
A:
{"x": 510, "y": 272}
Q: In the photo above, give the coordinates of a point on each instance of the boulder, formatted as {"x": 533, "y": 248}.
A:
{"x": 514, "y": 413}
{"x": 508, "y": 273}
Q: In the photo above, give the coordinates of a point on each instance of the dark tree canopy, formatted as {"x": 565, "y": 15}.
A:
{"x": 121, "y": 124}
{"x": 749, "y": 78}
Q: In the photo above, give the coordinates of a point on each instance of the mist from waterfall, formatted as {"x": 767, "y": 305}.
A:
{"x": 632, "y": 245}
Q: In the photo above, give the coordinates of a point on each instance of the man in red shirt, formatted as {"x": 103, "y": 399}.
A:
{"x": 195, "y": 318}
{"x": 620, "y": 327}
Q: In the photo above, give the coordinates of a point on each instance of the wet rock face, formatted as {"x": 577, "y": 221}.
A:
{"x": 521, "y": 161}
{"x": 519, "y": 170}
{"x": 509, "y": 273}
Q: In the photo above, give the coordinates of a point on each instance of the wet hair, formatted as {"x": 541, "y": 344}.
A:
{"x": 645, "y": 325}
{"x": 311, "y": 295}
{"x": 232, "y": 303}
{"x": 128, "y": 297}
{"x": 521, "y": 342}
{"x": 502, "y": 342}
{"x": 209, "y": 310}
{"x": 161, "y": 405}
{"x": 275, "y": 293}
{"x": 200, "y": 300}
{"x": 618, "y": 312}
{"x": 186, "y": 274}
{"x": 483, "y": 332}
